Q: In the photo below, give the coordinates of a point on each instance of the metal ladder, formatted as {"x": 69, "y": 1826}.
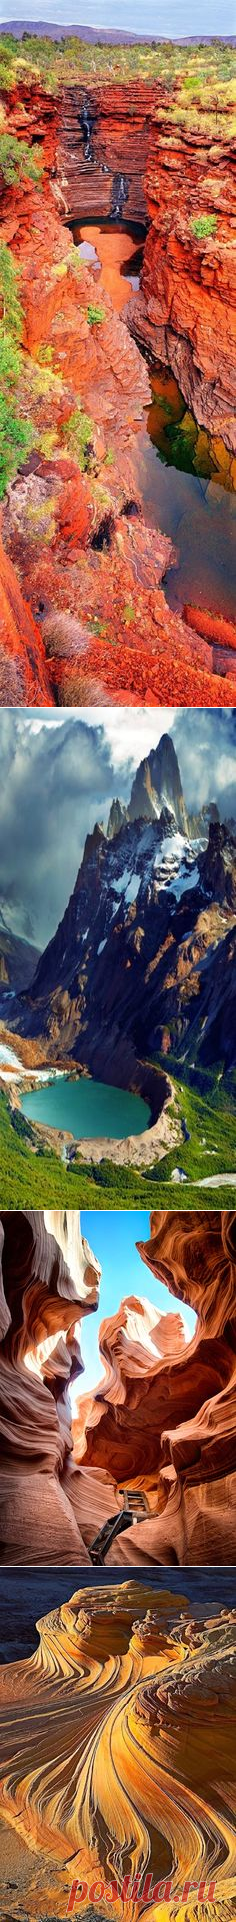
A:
{"x": 135, "y": 1507}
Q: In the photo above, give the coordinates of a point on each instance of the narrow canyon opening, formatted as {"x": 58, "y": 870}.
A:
{"x": 183, "y": 490}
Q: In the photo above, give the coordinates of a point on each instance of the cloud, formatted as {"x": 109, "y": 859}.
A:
{"x": 131, "y": 733}
{"x": 205, "y": 742}
{"x": 59, "y": 774}
{"x": 54, "y": 783}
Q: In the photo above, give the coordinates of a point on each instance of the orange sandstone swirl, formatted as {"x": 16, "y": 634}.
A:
{"x": 117, "y": 1741}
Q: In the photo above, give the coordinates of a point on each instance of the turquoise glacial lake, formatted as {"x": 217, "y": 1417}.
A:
{"x": 88, "y": 1109}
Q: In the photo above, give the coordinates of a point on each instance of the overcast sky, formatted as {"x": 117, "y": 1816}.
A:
{"x": 175, "y": 20}
{"x": 59, "y": 773}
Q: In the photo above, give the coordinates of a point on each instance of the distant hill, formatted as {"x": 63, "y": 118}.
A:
{"x": 111, "y": 37}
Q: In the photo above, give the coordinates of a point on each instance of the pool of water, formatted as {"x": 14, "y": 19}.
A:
{"x": 186, "y": 488}
{"x": 87, "y": 1109}
{"x": 184, "y": 476}
{"x": 115, "y": 252}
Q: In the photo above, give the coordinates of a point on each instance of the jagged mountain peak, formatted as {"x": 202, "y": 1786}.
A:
{"x": 117, "y": 818}
{"x": 93, "y": 843}
{"x": 217, "y": 864}
{"x": 158, "y": 780}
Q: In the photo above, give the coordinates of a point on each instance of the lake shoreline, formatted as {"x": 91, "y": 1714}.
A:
{"x": 153, "y": 1086}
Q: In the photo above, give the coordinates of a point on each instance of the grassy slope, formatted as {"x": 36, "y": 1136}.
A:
{"x": 200, "y": 80}
{"x": 38, "y": 1179}
{"x": 61, "y": 62}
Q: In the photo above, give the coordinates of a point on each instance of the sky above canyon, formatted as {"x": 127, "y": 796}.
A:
{"x": 177, "y": 21}
{"x": 59, "y": 773}
{"x": 113, "y": 1239}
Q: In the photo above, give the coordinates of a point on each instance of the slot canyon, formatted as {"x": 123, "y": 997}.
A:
{"x": 142, "y": 1469}
{"x": 87, "y": 612}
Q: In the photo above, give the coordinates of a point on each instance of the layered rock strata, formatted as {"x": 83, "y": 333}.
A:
{"x": 67, "y": 533}
{"x": 175, "y": 1433}
{"x": 156, "y": 1440}
{"x": 103, "y": 1764}
{"x": 49, "y": 1281}
{"x": 129, "y": 141}
{"x": 185, "y": 314}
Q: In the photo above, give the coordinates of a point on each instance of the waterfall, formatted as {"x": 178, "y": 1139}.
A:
{"x": 86, "y": 122}
{"x": 120, "y": 190}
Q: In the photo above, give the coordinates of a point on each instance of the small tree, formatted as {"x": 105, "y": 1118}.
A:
{"x": 12, "y": 312}
{"x": 18, "y": 159}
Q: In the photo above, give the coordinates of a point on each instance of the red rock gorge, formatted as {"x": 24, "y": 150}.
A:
{"x": 84, "y": 614}
{"x": 144, "y": 1469}
{"x": 107, "y": 1785}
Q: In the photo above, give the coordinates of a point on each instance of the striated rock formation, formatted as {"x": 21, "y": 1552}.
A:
{"x": 153, "y": 1447}
{"x": 130, "y": 141}
{"x": 163, "y": 1418}
{"x": 187, "y": 305}
{"x": 103, "y": 142}
{"x": 49, "y": 1281}
{"x": 104, "y": 1773}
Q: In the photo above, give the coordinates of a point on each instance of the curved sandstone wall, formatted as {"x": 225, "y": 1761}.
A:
{"x": 161, "y": 1423}
{"x": 106, "y": 1774}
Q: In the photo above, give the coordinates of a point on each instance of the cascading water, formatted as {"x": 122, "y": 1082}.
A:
{"x": 86, "y": 122}
{"x": 120, "y": 192}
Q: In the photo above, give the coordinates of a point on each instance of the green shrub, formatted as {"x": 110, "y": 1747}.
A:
{"x": 129, "y": 613}
{"x": 16, "y": 159}
{"x": 44, "y": 356}
{"x": 95, "y": 315}
{"x": 12, "y": 312}
{"x": 10, "y": 360}
{"x": 203, "y": 225}
{"x": 15, "y": 442}
{"x": 79, "y": 432}
{"x": 192, "y": 82}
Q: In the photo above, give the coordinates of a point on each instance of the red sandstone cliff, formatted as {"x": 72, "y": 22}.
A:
{"x": 24, "y": 678}
{"x": 186, "y": 311}
{"x": 82, "y": 554}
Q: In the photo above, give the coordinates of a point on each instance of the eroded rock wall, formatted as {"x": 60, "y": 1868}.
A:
{"x": 185, "y": 314}
{"x": 102, "y": 149}
{"x": 176, "y": 1402}
{"x": 49, "y": 1281}
{"x": 125, "y": 152}
{"x": 107, "y": 152}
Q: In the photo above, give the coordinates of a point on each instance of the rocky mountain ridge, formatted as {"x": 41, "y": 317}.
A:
{"x": 18, "y": 960}
{"x": 139, "y": 964}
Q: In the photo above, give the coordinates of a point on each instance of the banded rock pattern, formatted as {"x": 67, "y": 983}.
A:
{"x": 104, "y": 1770}
{"x": 160, "y": 1427}
{"x": 49, "y": 1282}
